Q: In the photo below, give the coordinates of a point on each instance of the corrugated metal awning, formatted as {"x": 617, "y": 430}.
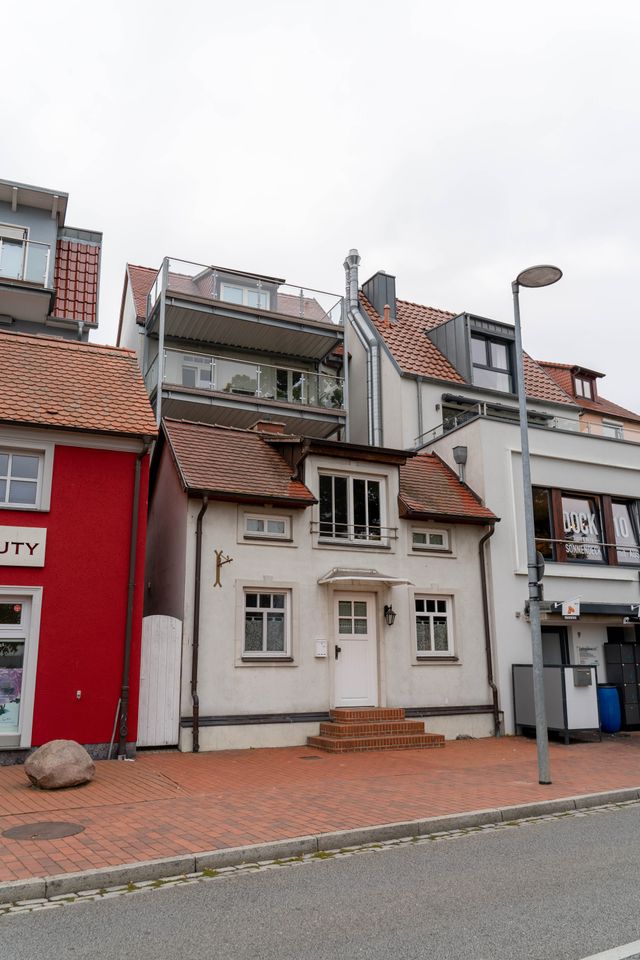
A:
{"x": 362, "y": 576}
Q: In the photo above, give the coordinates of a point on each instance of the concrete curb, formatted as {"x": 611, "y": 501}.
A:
{"x": 41, "y": 887}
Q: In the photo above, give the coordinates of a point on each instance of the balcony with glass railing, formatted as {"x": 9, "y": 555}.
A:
{"x": 249, "y": 291}
{"x": 24, "y": 261}
{"x": 241, "y": 378}
{"x": 456, "y": 416}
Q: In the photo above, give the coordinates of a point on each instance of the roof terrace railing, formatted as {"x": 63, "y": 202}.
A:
{"x": 245, "y": 290}
{"x": 26, "y": 261}
{"x": 459, "y": 415}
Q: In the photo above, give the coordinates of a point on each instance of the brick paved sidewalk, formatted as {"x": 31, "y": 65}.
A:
{"x": 166, "y": 804}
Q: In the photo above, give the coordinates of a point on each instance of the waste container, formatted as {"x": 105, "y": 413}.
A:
{"x": 609, "y": 704}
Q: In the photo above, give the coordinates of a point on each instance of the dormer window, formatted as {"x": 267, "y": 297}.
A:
{"x": 491, "y": 359}
{"x": 247, "y": 296}
{"x": 584, "y": 387}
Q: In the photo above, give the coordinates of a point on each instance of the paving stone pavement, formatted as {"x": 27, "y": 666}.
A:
{"x": 242, "y": 870}
{"x": 167, "y": 804}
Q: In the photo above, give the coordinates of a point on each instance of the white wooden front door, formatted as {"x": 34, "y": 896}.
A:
{"x": 355, "y": 651}
{"x": 159, "y": 710}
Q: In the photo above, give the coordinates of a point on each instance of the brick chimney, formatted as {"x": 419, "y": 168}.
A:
{"x": 269, "y": 426}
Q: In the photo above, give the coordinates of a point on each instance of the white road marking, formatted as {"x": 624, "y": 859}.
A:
{"x": 629, "y": 951}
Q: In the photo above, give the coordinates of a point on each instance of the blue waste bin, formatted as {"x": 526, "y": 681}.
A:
{"x": 609, "y": 704}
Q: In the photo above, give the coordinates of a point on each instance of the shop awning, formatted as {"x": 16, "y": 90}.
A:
{"x": 339, "y": 574}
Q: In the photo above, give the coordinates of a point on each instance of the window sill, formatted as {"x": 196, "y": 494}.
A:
{"x": 354, "y": 544}
{"x": 437, "y": 659}
{"x": 266, "y": 660}
{"x": 433, "y": 551}
{"x": 270, "y": 540}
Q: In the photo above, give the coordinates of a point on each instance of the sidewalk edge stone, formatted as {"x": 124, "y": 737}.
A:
{"x": 67, "y": 883}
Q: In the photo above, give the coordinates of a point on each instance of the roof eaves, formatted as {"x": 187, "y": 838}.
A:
{"x": 409, "y": 513}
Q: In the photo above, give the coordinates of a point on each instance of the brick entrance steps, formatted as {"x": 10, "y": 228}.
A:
{"x": 372, "y": 728}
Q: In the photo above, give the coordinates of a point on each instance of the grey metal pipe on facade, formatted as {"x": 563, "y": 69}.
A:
{"x": 487, "y": 630}
{"x": 133, "y": 554}
{"x": 195, "y": 701}
{"x": 372, "y": 348}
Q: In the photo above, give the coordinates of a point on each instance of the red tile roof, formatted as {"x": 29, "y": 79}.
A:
{"x": 430, "y": 490}
{"x": 77, "y": 272}
{"x": 47, "y": 381}
{"x": 562, "y": 373}
{"x": 229, "y": 464}
{"x": 415, "y": 353}
{"x": 141, "y": 280}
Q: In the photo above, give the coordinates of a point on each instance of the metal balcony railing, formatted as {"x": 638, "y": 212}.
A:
{"x": 24, "y": 260}
{"x": 242, "y": 378}
{"x": 244, "y": 290}
{"x": 331, "y": 531}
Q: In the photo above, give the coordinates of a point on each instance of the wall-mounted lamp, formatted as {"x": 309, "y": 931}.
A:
{"x": 460, "y": 457}
{"x": 389, "y": 614}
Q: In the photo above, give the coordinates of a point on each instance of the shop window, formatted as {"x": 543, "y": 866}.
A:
{"x": 430, "y": 539}
{"x": 266, "y": 625}
{"x": 433, "y": 627}
{"x": 266, "y": 527}
{"x": 350, "y": 509}
{"x": 13, "y": 636}
{"x": 491, "y": 360}
{"x": 586, "y": 528}
{"x": 20, "y": 479}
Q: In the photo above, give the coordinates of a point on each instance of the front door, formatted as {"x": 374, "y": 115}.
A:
{"x": 355, "y": 651}
{"x": 555, "y": 645}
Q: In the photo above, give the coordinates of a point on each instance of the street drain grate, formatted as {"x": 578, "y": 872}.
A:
{"x": 45, "y": 830}
{"x": 310, "y": 758}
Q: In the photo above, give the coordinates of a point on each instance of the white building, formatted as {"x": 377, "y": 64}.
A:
{"x": 435, "y": 380}
{"x": 276, "y": 564}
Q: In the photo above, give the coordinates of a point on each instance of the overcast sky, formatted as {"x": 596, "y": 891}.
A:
{"x": 452, "y": 143}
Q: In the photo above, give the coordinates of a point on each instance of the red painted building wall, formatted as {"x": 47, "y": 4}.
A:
{"x": 84, "y": 600}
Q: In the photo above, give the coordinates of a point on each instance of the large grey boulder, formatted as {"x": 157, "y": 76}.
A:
{"x": 59, "y": 763}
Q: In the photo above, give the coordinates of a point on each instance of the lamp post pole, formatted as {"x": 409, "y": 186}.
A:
{"x": 533, "y": 277}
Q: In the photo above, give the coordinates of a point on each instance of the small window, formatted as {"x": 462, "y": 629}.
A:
{"x": 584, "y": 387}
{"x": 612, "y": 429}
{"x": 433, "y": 627}
{"x": 430, "y": 539}
{"x": 20, "y": 479}
{"x": 247, "y": 296}
{"x": 627, "y": 530}
{"x": 266, "y": 624}
{"x": 268, "y": 528}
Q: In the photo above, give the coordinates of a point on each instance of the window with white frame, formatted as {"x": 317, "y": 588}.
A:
{"x": 434, "y": 637}
{"x": 430, "y": 539}
{"x": 584, "y": 387}
{"x": 247, "y": 296}
{"x": 266, "y": 624}
{"x": 350, "y": 508}
{"x": 20, "y": 479}
{"x": 612, "y": 429}
{"x": 265, "y": 527}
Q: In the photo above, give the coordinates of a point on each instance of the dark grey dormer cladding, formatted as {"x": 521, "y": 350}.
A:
{"x": 380, "y": 291}
{"x": 454, "y": 339}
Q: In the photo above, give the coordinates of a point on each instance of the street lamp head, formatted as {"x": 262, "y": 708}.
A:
{"x": 541, "y": 276}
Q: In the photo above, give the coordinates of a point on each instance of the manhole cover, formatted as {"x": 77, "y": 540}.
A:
{"x": 46, "y": 830}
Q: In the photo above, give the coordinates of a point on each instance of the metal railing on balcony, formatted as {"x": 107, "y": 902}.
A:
{"x": 458, "y": 416}
{"x": 24, "y": 260}
{"x": 245, "y": 379}
{"x": 244, "y": 290}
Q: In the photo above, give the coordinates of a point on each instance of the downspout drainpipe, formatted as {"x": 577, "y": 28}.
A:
{"x": 196, "y": 630}
{"x": 372, "y": 347}
{"x": 487, "y": 631}
{"x": 133, "y": 554}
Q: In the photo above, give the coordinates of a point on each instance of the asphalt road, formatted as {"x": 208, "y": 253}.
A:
{"x": 560, "y": 889}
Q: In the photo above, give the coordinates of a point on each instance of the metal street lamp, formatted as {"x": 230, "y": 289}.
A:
{"x": 540, "y": 276}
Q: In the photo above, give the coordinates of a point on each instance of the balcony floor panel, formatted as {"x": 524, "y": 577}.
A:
{"x": 209, "y": 325}
{"x": 24, "y": 302}
{"x": 244, "y": 413}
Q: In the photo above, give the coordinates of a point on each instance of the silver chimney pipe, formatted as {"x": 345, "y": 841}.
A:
{"x": 369, "y": 341}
